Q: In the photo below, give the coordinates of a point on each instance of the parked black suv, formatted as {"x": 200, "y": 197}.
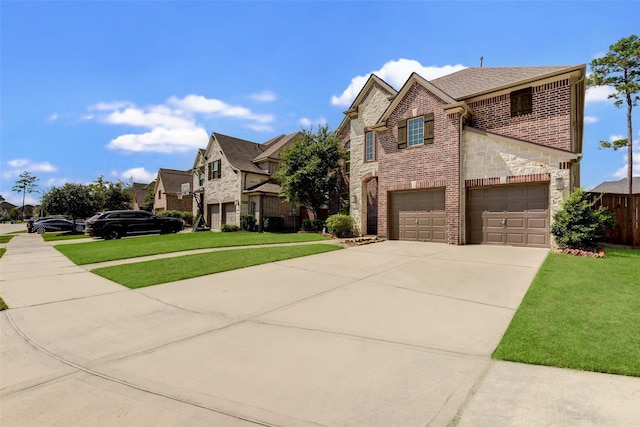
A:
{"x": 117, "y": 224}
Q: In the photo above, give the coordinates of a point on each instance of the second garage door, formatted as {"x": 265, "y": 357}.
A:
{"x": 418, "y": 215}
{"x": 515, "y": 215}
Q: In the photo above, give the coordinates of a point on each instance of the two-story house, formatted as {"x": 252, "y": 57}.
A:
{"x": 483, "y": 155}
{"x": 168, "y": 188}
{"x": 233, "y": 177}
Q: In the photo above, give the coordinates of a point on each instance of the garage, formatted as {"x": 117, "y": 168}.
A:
{"x": 214, "y": 216}
{"x": 418, "y": 215}
{"x": 515, "y": 215}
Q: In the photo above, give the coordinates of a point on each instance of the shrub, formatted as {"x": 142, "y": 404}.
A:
{"x": 340, "y": 225}
{"x": 579, "y": 225}
{"x": 230, "y": 227}
{"x": 273, "y": 223}
{"x": 248, "y": 222}
{"x": 313, "y": 224}
{"x": 187, "y": 217}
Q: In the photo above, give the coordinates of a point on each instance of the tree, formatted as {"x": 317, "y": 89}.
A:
{"x": 73, "y": 200}
{"x": 579, "y": 225}
{"x": 620, "y": 69}
{"x": 26, "y": 183}
{"x": 111, "y": 195}
{"x": 309, "y": 168}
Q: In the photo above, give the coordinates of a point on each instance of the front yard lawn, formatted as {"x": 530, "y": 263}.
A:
{"x": 52, "y": 237}
{"x": 580, "y": 313}
{"x": 5, "y": 238}
{"x": 148, "y": 273}
{"x": 110, "y": 250}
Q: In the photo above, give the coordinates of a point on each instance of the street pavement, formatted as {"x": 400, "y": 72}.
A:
{"x": 387, "y": 334}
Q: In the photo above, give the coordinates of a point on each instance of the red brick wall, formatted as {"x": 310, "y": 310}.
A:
{"x": 433, "y": 165}
{"x": 548, "y": 124}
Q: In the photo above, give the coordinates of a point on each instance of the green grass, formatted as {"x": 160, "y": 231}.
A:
{"x": 5, "y": 239}
{"x": 166, "y": 270}
{"x": 580, "y": 313}
{"x": 111, "y": 250}
{"x": 52, "y": 237}
{"x": 3, "y": 305}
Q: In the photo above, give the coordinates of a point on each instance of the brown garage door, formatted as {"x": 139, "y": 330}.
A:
{"x": 418, "y": 215}
{"x": 509, "y": 215}
{"x": 229, "y": 211}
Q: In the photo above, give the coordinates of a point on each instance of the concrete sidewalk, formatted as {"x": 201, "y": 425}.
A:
{"x": 389, "y": 334}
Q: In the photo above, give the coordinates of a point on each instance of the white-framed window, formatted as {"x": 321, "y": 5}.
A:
{"x": 415, "y": 131}
{"x": 370, "y": 147}
{"x": 347, "y": 157}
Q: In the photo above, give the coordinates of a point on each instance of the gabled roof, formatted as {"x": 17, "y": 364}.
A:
{"x": 618, "y": 187}
{"x": 476, "y": 81}
{"x": 273, "y": 140}
{"x": 274, "y": 148}
{"x": 172, "y": 179}
{"x": 359, "y": 99}
{"x": 140, "y": 192}
{"x": 265, "y": 187}
{"x": 201, "y": 154}
{"x": 240, "y": 153}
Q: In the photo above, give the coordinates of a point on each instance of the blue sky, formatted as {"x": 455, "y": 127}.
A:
{"x": 121, "y": 89}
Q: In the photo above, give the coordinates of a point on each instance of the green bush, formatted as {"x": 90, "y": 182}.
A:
{"x": 340, "y": 225}
{"x": 273, "y": 223}
{"x": 187, "y": 217}
{"x": 230, "y": 227}
{"x": 248, "y": 222}
{"x": 313, "y": 224}
{"x": 579, "y": 225}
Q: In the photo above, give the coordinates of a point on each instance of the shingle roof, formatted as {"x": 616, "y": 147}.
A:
{"x": 617, "y": 187}
{"x": 265, "y": 187}
{"x": 140, "y": 192}
{"x": 475, "y": 81}
{"x": 172, "y": 179}
{"x": 240, "y": 153}
{"x": 275, "y": 148}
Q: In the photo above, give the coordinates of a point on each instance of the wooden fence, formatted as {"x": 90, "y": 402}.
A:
{"x": 626, "y": 211}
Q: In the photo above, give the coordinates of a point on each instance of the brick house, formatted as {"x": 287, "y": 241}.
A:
{"x": 233, "y": 177}
{"x": 167, "y": 187}
{"x": 483, "y": 155}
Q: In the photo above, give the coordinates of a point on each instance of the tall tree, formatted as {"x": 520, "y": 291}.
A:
{"x": 309, "y": 168}
{"x": 73, "y": 200}
{"x": 26, "y": 183}
{"x": 111, "y": 195}
{"x": 620, "y": 69}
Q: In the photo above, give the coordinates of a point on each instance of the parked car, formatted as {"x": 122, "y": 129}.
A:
{"x": 117, "y": 224}
{"x": 53, "y": 224}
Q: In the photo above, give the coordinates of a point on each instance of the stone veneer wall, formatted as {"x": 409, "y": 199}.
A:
{"x": 422, "y": 166}
{"x": 485, "y": 157}
{"x": 369, "y": 112}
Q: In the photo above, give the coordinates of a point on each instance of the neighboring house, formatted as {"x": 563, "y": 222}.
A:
{"x": 168, "y": 188}
{"x": 233, "y": 177}
{"x": 618, "y": 187}
{"x": 138, "y": 193}
{"x": 5, "y": 208}
{"x": 483, "y": 155}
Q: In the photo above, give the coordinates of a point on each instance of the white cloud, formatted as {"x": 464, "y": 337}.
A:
{"x": 172, "y": 126}
{"x": 588, "y": 120}
{"x": 137, "y": 175}
{"x": 395, "y": 73}
{"x": 307, "y": 122}
{"x": 17, "y": 166}
{"x": 598, "y": 93}
{"x": 53, "y": 117}
{"x": 200, "y": 104}
{"x": 264, "y": 96}
{"x": 161, "y": 140}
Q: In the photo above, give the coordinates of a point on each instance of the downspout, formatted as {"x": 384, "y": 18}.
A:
{"x": 575, "y": 175}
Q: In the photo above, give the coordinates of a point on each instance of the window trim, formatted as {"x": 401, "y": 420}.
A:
{"x": 416, "y": 141}
{"x": 374, "y": 147}
{"x": 215, "y": 169}
{"x": 347, "y": 158}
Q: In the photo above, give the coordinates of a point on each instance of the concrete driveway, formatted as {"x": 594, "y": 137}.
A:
{"x": 389, "y": 334}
